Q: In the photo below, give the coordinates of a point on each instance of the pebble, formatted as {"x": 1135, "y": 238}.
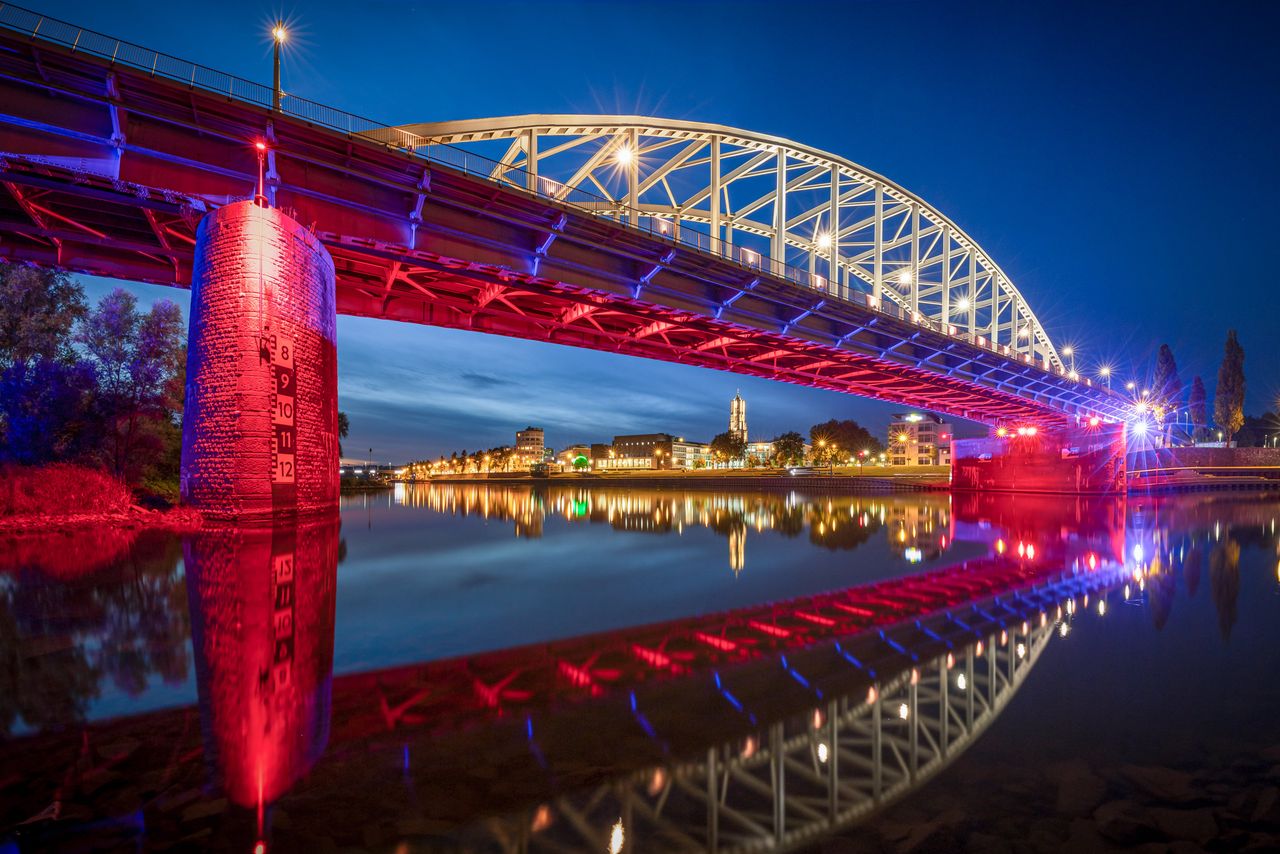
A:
{"x": 1164, "y": 784}
{"x": 1196, "y": 825}
{"x": 1123, "y": 821}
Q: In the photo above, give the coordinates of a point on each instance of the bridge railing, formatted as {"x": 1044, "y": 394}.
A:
{"x": 38, "y": 26}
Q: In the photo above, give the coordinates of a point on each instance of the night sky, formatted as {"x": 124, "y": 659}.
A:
{"x": 1118, "y": 160}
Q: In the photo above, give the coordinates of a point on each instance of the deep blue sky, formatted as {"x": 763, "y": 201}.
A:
{"x": 1119, "y": 160}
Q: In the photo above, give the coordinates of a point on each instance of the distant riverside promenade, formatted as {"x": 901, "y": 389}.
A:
{"x": 874, "y": 478}
{"x": 1163, "y": 469}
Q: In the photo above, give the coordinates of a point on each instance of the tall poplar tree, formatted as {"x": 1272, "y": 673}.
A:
{"x": 1167, "y": 389}
{"x": 1228, "y": 397}
{"x": 1196, "y": 404}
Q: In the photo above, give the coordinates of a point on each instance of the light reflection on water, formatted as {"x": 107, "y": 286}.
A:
{"x": 474, "y": 635}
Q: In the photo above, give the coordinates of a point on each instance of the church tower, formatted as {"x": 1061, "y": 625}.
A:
{"x": 738, "y": 416}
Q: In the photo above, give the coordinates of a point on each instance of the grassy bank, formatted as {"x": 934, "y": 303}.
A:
{"x": 356, "y": 485}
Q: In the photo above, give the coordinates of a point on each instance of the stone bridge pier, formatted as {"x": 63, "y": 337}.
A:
{"x": 260, "y": 430}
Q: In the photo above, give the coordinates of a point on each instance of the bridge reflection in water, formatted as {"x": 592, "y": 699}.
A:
{"x": 767, "y": 726}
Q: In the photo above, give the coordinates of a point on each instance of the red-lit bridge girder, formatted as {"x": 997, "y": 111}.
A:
{"x": 107, "y": 170}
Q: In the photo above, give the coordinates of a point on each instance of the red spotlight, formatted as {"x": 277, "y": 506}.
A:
{"x": 261, "y": 847}
{"x": 1094, "y": 421}
{"x": 261, "y": 146}
{"x": 1031, "y": 431}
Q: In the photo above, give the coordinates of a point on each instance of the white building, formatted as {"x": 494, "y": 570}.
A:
{"x": 530, "y": 446}
{"x": 919, "y": 440}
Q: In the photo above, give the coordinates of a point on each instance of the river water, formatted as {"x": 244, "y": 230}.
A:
{"x": 530, "y": 668}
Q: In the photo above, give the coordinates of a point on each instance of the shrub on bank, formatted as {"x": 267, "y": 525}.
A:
{"x": 60, "y": 489}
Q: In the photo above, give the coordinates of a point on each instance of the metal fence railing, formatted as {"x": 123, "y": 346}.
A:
{"x": 38, "y": 26}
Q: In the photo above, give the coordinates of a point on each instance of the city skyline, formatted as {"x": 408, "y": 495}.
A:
{"x": 1068, "y": 254}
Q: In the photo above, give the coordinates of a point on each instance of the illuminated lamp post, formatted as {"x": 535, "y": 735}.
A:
{"x": 1105, "y": 373}
{"x": 278, "y": 35}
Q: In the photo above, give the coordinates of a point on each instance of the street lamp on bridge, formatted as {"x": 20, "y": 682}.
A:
{"x": 278, "y": 35}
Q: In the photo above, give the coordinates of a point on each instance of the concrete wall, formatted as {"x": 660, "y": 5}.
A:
{"x": 1213, "y": 457}
{"x": 260, "y": 428}
{"x": 1082, "y": 460}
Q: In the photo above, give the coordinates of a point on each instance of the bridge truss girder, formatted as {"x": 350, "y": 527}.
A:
{"x": 414, "y": 239}
{"x": 741, "y": 194}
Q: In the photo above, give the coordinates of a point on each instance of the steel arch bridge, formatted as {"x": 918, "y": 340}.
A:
{"x": 695, "y": 244}
{"x": 802, "y": 213}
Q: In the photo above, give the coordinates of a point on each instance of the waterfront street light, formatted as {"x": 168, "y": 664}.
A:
{"x": 278, "y": 35}
{"x": 1130, "y": 385}
{"x": 1070, "y": 353}
{"x": 1105, "y": 373}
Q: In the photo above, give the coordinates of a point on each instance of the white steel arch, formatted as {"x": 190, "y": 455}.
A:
{"x": 761, "y": 200}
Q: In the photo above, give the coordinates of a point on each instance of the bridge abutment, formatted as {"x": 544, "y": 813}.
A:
{"x": 259, "y": 433}
{"x": 1072, "y": 460}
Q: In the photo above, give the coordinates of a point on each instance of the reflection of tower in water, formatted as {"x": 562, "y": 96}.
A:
{"x": 262, "y": 617}
{"x": 737, "y": 548}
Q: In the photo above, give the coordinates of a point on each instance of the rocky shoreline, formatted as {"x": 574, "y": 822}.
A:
{"x": 1073, "y": 806}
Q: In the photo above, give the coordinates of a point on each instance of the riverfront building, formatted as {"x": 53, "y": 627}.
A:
{"x": 919, "y": 440}
{"x": 531, "y": 446}
{"x": 650, "y": 451}
{"x": 570, "y": 455}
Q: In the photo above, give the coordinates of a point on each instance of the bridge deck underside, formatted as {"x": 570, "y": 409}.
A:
{"x": 108, "y": 171}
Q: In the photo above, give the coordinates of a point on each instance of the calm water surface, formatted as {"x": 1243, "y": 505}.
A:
{"x": 552, "y": 668}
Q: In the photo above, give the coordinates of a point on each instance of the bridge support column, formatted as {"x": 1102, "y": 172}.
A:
{"x": 259, "y": 434}
{"x": 1080, "y": 460}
